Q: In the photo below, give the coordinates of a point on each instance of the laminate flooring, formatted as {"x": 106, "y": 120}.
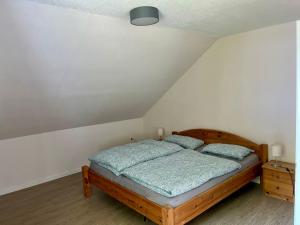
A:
{"x": 61, "y": 202}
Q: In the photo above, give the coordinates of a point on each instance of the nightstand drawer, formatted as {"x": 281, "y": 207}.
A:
{"x": 273, "y": 187}
{"x": 278, "y": 182}
{"x": 276, "y": 176}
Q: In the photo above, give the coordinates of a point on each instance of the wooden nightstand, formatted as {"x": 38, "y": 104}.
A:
{"x": 279, "y": 181}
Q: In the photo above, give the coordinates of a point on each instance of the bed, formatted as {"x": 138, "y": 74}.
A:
{"x": 183, "y": 208}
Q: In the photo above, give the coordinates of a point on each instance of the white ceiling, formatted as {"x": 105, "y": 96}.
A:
{"x": 218, "y": 17}
{"x": 65, "y": 68}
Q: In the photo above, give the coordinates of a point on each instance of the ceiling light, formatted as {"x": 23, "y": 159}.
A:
{"x": 144, "y": 15}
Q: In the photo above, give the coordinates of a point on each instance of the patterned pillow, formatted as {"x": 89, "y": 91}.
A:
{"x": 227, "y": 150}
{"x": 184, "y": 141}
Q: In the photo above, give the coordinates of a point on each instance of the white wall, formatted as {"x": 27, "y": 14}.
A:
{"x": 61, "y": 68}
{"x": 29, "y": 160}
{"x": 245, "y": 84}
{"x": 297, "y": 196}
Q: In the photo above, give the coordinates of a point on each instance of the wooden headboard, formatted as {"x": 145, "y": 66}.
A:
{"x": 214, "y": 136}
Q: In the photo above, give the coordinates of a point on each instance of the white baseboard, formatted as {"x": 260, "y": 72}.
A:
{"x": 38, "y": 181}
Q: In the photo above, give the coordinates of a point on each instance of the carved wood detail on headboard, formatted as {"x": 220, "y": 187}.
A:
{"x": 210, "y": 136}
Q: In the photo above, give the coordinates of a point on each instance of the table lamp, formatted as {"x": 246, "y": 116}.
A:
{"x": 160, "y": 132}
{"x": 276, "y": 150}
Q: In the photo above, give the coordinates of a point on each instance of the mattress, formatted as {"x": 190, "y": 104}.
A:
{"x": 129, "y": 184}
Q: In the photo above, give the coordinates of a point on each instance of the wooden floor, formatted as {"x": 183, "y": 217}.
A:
{"x": 61, "y": 202}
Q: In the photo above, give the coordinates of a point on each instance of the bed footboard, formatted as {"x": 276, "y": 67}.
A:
{"x": 167, "y": 215}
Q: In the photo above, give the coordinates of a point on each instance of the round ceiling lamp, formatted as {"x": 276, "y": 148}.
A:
{"x": 144, "y": 16}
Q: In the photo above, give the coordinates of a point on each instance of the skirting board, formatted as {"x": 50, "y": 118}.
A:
{"x": 38, "y": 181}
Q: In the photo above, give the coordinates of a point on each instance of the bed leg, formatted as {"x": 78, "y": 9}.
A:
{"x": 168, "y": 216}
{"x": 87, "y": 191}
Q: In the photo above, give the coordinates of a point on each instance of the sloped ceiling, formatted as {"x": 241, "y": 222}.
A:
{"x": 64, "y": 68}
{"x": 218, "y": 17}
{"x": 71, "y": 63}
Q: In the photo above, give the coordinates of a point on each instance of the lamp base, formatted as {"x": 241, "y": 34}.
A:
{"x": 275, "y": 164}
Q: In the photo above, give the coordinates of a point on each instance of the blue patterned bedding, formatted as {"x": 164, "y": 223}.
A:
{"x": 118, "y": 158}
{"x": 227, "y": 150}
{"x": 180, "y": 172}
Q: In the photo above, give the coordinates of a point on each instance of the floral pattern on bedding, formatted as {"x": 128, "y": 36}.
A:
{"x": 118, "y": 158}
{"x": 180, "y": 172}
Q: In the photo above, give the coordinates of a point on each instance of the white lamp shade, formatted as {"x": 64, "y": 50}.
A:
{"x": 276, "y": 150}
{"x": 160, "y": 132}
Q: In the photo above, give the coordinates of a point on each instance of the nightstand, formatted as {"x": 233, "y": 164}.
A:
{"x": 278, "y": 182}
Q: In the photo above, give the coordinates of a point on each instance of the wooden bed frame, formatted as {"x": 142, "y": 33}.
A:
{"x": 167, "y": 215}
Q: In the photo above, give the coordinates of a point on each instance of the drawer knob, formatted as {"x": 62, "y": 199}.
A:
{"x": 277, "y": 188}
